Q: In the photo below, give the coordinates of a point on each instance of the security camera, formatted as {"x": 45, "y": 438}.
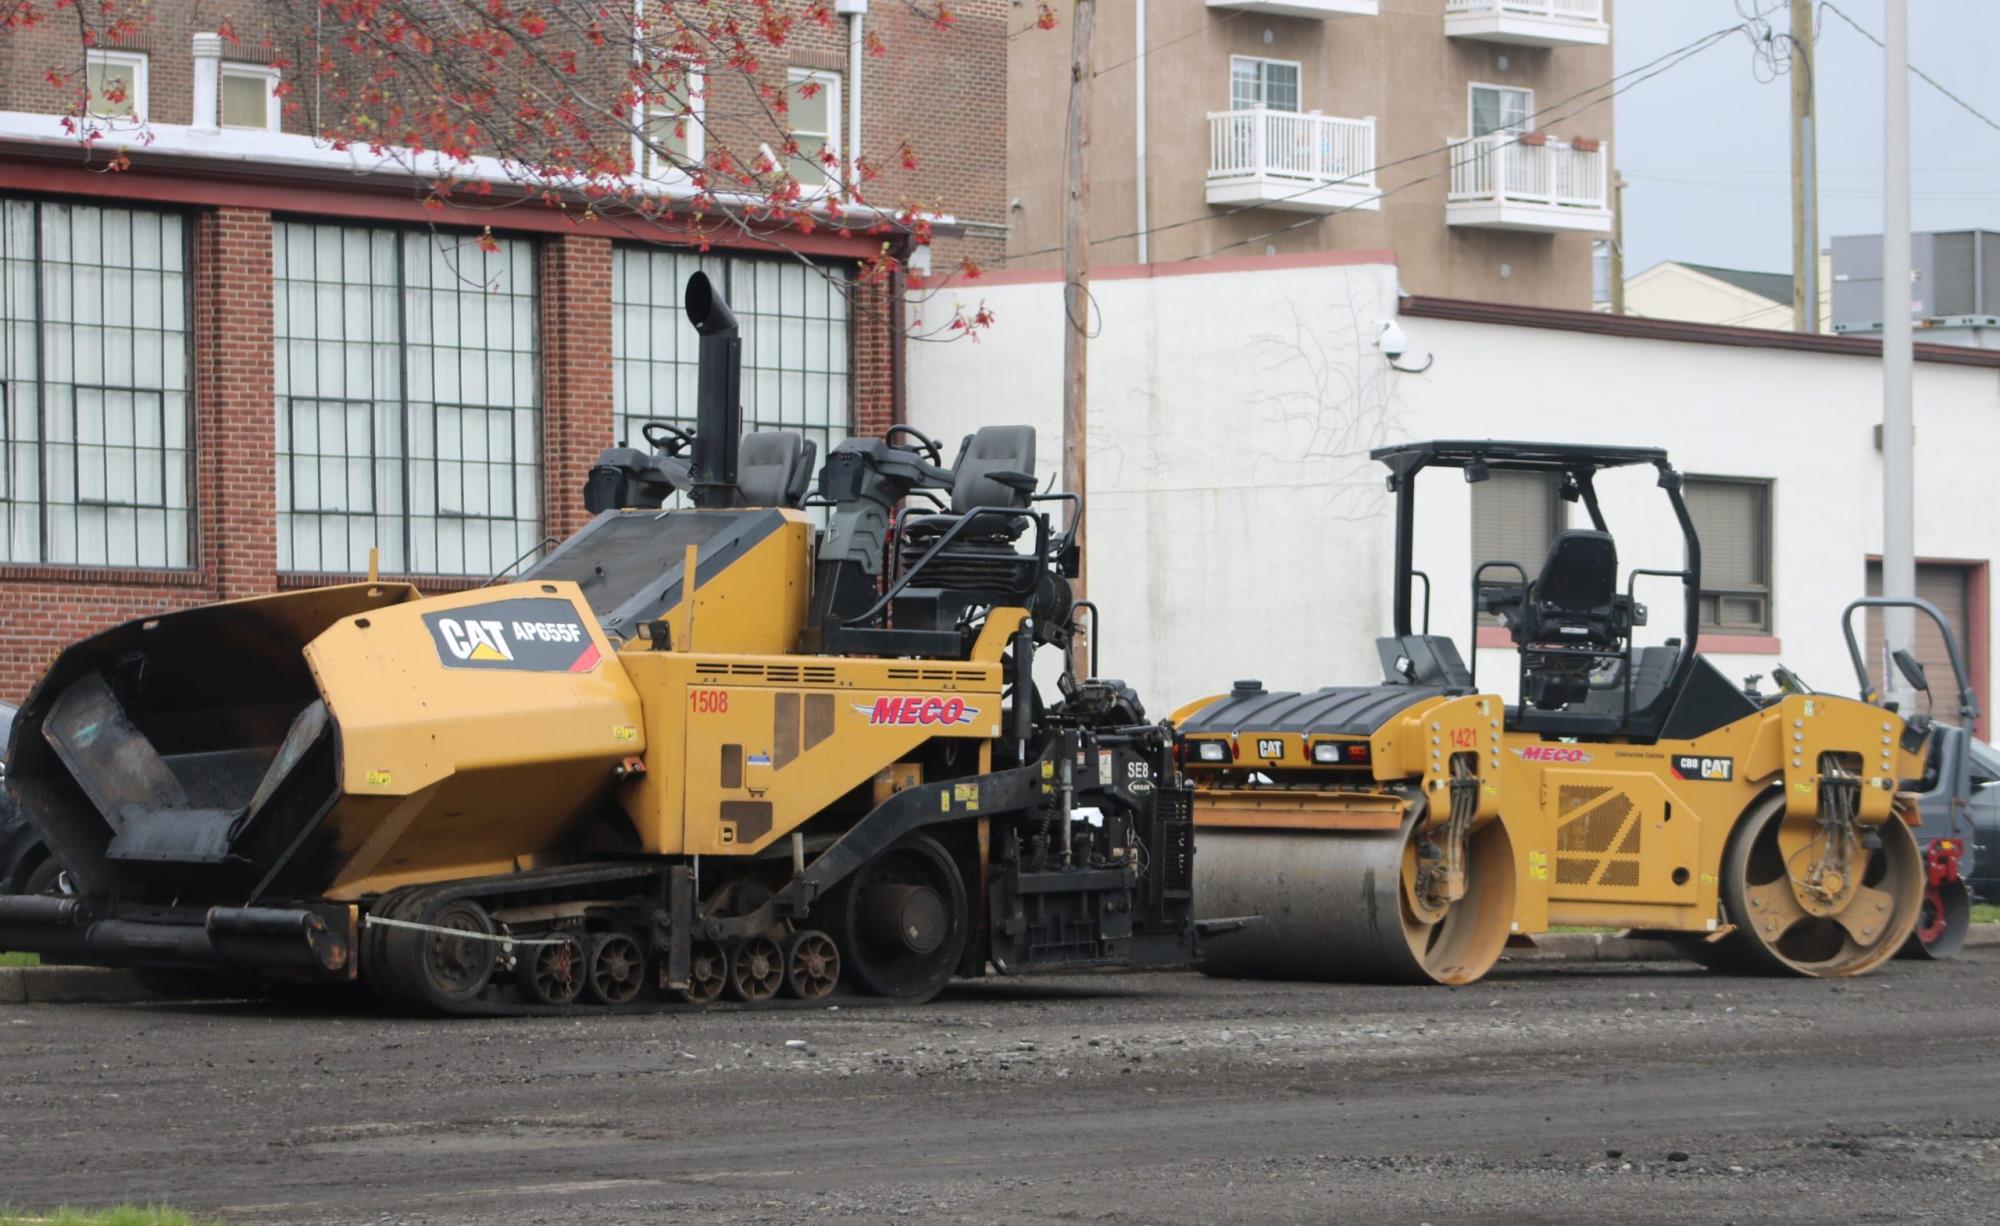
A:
{"x": 1393, "y": 343}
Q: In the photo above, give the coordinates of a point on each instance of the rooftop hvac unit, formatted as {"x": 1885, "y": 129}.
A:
{"x": 1954, "y": 282}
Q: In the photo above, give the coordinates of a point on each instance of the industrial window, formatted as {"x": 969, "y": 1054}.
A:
{"x": 1499, "y": 108}
{"x": 408, "y": 400}
{"x": 672, "y": 129}
{"x": 1733, "y": 519}
{"x": 250, "y": 96}
{"x": 94, "y": 423}
{"x": 813, "y": 103}
{"x": 117, "y": 84}
{"x": 795, "y": 341}
{"x": 1515, "y": 518}
{"x": 1254, "y": 82}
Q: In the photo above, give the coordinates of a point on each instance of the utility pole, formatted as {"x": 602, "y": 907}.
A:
{"x": 1076, "y": 288}
{"x": 1805, "y": 175}
{"x": 1899, "y": 555}
{"x": 1618, "y": 245}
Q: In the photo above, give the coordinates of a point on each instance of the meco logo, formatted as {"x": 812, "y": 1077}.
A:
{"x": 913, "y": 709}
{"x": 1551, "y": 753}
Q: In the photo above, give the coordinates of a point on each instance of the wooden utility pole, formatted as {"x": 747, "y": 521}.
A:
{"x": 1076, "y": 285}
{"x": 1805, "y": 175}
{"x": 1618, "y": 245}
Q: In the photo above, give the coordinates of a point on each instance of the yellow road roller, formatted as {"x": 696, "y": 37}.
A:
{"x": 750, "y": 747}
{"x": 1405, "y": 830}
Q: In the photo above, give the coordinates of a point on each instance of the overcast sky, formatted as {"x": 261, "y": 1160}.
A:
{"x": 1707, "y": 158}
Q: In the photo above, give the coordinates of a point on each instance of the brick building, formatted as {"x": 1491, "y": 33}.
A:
{"x": 249, "y": 359}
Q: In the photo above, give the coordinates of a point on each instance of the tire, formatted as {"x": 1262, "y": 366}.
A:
{"x": 1818, "y": 950}
{"x": 47, "y": 878}
{"x": 902, "y": 921}
{"x": 434, "y": 972}
{"x": 614, "y": 969}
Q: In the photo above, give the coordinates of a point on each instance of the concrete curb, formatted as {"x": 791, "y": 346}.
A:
{"x": 57, "y": 985}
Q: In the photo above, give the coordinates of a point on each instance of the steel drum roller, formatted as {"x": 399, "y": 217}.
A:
{"x": 1335, "y": 908}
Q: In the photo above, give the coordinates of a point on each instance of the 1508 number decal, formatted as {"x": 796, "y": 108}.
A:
{"x": 709, "y": 702}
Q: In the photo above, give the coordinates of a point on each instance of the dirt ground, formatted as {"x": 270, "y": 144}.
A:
{"x": 1586, "y": 1093}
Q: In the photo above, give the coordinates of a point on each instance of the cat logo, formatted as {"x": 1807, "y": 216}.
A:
{"x": 1270, "y": 747}
{"x": 533, "y": 634}
{"x": 1701, "y": 769}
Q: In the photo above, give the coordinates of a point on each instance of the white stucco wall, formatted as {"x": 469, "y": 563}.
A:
{"x": 1238, "y": 530}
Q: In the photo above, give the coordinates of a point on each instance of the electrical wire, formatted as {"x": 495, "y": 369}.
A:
{"x": 1928, "y": 79}
{"x": 1676, "y": 56}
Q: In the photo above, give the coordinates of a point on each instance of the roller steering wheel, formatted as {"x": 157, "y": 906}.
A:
{"x": 677, "y": 439}
{"x": 925, "y": 443}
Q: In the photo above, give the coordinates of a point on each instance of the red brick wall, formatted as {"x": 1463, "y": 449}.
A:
{"x": 577, "y": 407}
{"x": 235, "y": 431}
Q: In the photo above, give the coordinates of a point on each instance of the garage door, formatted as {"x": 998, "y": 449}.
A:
{"x": 1947, "y": 586}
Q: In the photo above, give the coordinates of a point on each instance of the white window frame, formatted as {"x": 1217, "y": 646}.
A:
{"x": 1472, "y": 88}
{"x": 273, "y": 109}
{"x": 134, "y": 60}
{"x": 1298, "y": 72}
{"x": 645, "y": 160}
{"x": 830, "y": 82}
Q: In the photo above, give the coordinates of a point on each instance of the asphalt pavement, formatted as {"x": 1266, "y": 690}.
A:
{"x": 1594, "y": 1092}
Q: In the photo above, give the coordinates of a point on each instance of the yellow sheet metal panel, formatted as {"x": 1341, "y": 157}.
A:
{"x": 498, "y": 678}
{"x": 743, "y": 749}
{"x": 752, "y": 603}
{"x": 498, "y": 715}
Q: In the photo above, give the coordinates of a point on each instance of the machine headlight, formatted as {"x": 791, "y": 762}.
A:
{"x": 1211, "y": 751}
{"x": 1341, "y": 753}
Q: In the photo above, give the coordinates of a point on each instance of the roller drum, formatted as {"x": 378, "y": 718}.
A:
{"x": 1334, "y": 906}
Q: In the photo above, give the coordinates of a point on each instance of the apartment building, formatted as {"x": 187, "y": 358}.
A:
{"x": 251, "y": 359}
{"x": 1458, "y": 133}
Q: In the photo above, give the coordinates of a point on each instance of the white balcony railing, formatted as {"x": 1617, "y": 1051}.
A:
{"x": 1586, "y": 12}
{"x": 1293, "y": 159}
{"x": 1501, "y": 167}
{"x": 1529, "y": 23}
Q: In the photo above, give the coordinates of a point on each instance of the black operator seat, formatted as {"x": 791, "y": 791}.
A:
{"x": 774, "y": 468}
{"x": 1574, "y": 601}
{"x": 995, "y": 468}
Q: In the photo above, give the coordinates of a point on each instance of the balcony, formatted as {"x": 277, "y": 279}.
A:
{"x": 1303, "y": 8}
{"x": 1529, "y": 23}
{"x": 1304, "y": 162}
{"x": 1529, "y": 181}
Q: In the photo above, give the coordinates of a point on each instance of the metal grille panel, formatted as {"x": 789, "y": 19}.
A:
{"x": 1597, "y": 829}
{"x": 1574, "y": 870}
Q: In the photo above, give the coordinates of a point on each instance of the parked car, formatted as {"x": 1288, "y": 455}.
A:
{"x": 25, "y": 865}
{"x": 1985, "y": 875}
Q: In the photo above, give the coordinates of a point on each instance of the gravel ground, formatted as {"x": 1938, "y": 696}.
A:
{"x": 1588, "y": 1093}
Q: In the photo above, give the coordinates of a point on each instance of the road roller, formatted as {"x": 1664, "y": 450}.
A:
{"x": 1405, "y": 831}
{"x": 730, "y": 739}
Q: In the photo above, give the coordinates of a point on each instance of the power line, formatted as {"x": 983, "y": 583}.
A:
{"x": 1915, "y": 71}
{"x": 1678, "y": 56}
